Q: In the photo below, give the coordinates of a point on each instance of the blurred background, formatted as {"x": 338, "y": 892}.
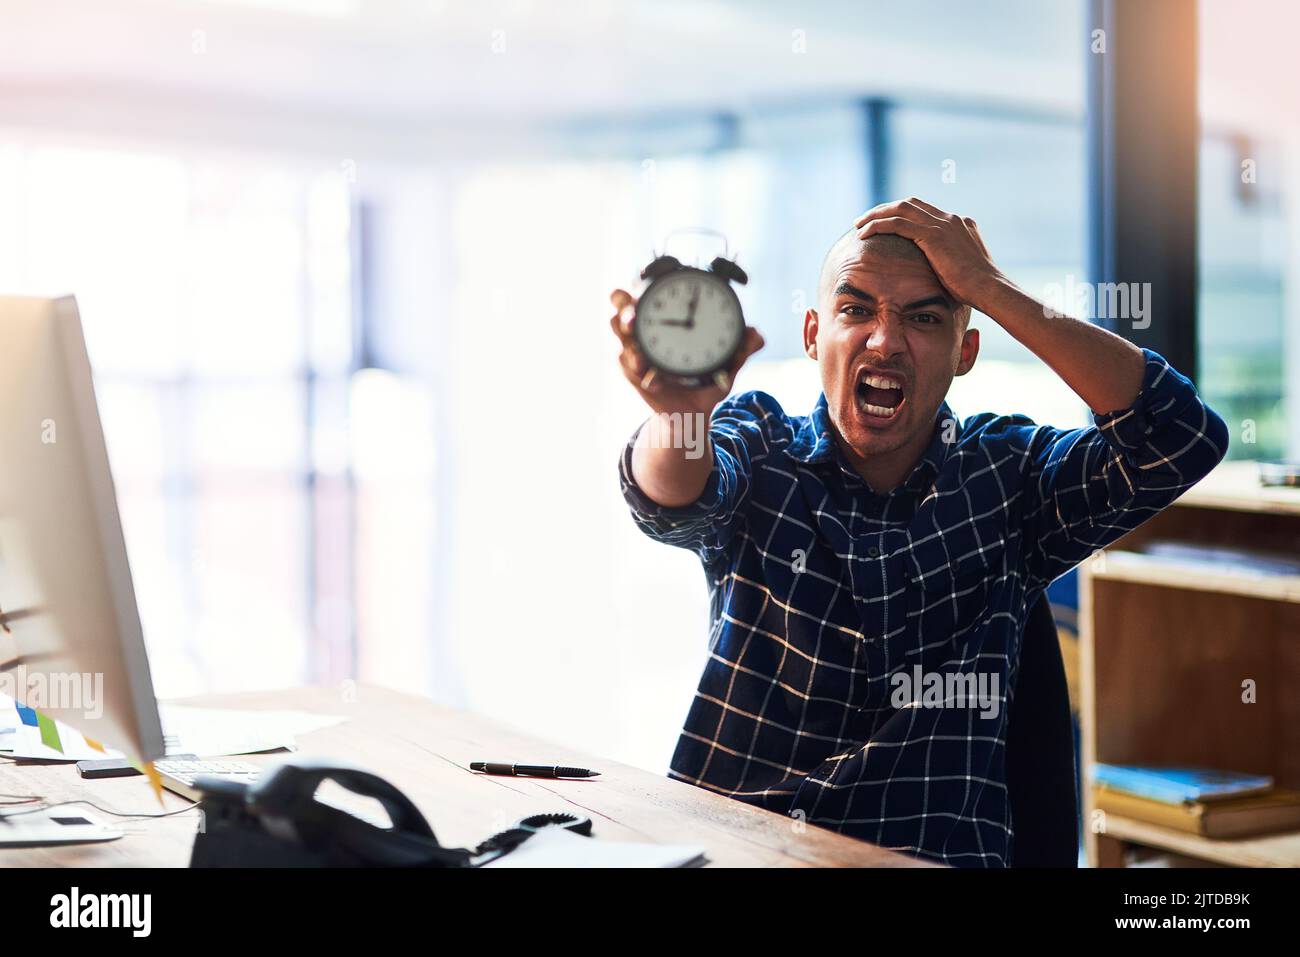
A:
{"x": 344, "y": 270}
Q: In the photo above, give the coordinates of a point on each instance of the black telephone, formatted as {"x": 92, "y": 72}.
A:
{"x": 277, "y": 821}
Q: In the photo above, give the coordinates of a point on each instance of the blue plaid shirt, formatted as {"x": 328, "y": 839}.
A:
{"x": 824, "y": 596}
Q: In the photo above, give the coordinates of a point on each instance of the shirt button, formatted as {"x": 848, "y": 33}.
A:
{"x": 873, "y": 552}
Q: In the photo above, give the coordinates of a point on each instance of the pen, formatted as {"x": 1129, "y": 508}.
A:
{"x": 532, "y": 770}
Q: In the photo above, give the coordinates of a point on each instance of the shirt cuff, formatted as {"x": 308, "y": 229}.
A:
{"x": 1164, "y": 396}
{"x": 646, "y": 509}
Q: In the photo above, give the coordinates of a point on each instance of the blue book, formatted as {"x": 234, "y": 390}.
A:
{"x": 1179, "y": 785}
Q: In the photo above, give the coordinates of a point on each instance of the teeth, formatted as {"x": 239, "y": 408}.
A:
{"x": 880, "y": 382}
{"x": 880, "y": 410}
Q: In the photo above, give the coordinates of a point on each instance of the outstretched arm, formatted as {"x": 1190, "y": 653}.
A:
{"x": 666, "y": 470}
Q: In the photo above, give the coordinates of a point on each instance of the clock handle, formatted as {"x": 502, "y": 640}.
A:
{"x": 729, "y": 270}
{"x": 662, "y": 266}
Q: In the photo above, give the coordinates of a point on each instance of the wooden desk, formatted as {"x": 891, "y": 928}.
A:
{"x": 425, "y": 750}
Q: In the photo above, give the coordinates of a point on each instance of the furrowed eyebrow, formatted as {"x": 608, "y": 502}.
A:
{"x": 846, "y": 289}
{"x": 930, "y": 301}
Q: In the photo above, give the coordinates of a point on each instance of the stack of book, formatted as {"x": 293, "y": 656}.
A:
{"x": 1199, "y": 801}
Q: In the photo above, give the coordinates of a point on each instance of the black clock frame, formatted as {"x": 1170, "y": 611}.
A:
{"x": 720, "y": 270}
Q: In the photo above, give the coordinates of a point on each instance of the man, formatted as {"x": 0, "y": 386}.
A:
{"x": 878, "y": 539}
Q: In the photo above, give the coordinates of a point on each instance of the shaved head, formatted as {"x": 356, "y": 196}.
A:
{"x": 888, "y": 338}
{"x": 882, "y": 246}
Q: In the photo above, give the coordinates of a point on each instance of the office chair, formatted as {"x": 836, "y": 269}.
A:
{"x": 1040, "y": 752}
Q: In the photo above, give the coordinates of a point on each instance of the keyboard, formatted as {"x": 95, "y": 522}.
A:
{"x": 179, "y": 774}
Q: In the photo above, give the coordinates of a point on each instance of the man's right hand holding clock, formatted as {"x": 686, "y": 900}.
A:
{"x": 661, "y": 467}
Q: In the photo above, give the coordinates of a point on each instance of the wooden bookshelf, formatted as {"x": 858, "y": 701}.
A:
{"x": 1274, "y": 850}
{"x": 1165, "y": 647}
{"x": 1234, "y": 486}
{"x": 1123, "y": 566}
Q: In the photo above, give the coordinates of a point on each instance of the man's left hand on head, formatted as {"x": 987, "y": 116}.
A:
{"x": 952, "y": 243}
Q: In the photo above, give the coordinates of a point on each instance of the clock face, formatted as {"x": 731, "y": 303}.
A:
{"x": 689, "y": 323}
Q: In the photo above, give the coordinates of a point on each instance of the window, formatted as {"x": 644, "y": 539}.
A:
{"x": 1248, "y": 323}
{"x": 216, "y": 305}
{"x": 1241, "y": 296}
{"x": 1021, "y": 178}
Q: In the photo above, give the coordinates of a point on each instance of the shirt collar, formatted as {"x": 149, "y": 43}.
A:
{"x": 814, "y": 442}
{"x": 936, "y": 453}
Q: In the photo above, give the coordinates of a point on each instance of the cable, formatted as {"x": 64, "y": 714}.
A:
{"x": 20, "y": 799}
{"x": 104, "y": 810}
{"x": 12, "y": 799}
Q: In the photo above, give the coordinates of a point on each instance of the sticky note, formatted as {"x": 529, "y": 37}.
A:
{"x": 49, "y": 733}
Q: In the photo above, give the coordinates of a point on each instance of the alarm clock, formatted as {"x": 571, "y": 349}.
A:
{"x": 689, "y": 325}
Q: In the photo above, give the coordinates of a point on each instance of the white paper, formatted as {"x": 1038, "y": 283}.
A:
{"x": 28, "y": 746}
{"x": 205, "y": 732}
{"x": 558, "y": 847}
{"x": 219, "y": 732}
{"x": 24, "y": 741}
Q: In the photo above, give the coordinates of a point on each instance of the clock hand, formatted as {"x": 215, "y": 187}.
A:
{"x": 684, "y": 323}
{"x": 690, "y": 312}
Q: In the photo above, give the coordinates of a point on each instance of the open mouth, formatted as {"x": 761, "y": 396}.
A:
{"x": 879, "y": 396}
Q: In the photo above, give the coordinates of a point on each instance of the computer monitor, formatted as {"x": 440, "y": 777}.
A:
{"x": 68, "y": 617}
